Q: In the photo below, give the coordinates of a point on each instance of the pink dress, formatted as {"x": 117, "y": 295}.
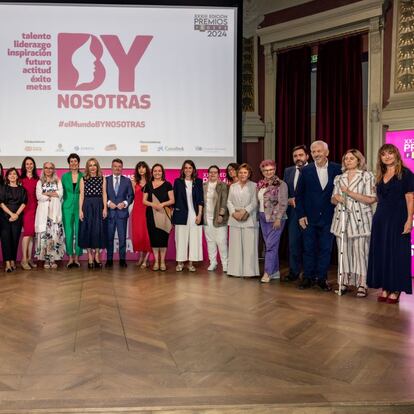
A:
{"x": 29, "y": 213}
{"x": 140, "y": 239}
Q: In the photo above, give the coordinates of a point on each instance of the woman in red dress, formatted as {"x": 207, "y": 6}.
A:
{"x": 29, "y": 179}
{"x": 140, "y": 239}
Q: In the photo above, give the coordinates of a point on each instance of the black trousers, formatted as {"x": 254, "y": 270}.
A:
{"x": 10, "y": 236}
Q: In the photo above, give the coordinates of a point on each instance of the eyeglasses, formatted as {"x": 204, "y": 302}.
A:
{"x": 268, "y": 170}
{"x": 48, "y": 168}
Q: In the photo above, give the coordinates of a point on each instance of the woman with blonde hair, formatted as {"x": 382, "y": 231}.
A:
{"x": 92, "y": 212}
{"x": 389, "y": 262}
{"x": 353, "y": 195}
{"x": 50, "y": 240}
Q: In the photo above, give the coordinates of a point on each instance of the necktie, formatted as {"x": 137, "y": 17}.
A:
{"x": 116, "y": 185}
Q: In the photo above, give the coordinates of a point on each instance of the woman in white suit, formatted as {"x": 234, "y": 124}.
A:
{"x": 243, "y": 260}
{"x": 354, "y": 192}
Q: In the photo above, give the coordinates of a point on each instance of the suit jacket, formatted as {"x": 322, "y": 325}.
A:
{"x": 220, "y": 204}
{"x": 180, "y": 214}
{"x": 70, "y": 196}
{"x": 288, "y": 178}
{"x": 125, "y": 193}
{"x": 311, "y": 201}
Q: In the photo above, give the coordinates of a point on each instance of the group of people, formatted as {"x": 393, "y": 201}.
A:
{"x": 328, "y": 200}
{"x": 316, "y": 201}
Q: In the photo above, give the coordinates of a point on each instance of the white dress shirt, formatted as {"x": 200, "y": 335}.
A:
{"x": 322, "y": 174}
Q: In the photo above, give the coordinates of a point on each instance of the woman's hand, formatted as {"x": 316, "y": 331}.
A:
{"x": 81, "y": 215}
{"x": 13, "y": 217}
{"x": 408, "y": 226}
{"x": 105, "y": 212}
{"x": 158, "y": 207}
{"x": 277, "y": 224}
{"x": 339, "y": 198}
{"x": 198, "y": 219}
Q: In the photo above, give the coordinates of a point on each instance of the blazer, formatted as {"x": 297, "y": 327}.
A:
{"x": 180, "y": 212}
{"x": 220, "y": 204}
{"x": 246, "y": 199}
{"x": 358, "y": 216}
{"x": 311, "y": 201}
{"x": 275, "y": 201}
{"x": 289, "y": 178}
{"x": 70, "y": 197}
{"x": 125, "y": 193}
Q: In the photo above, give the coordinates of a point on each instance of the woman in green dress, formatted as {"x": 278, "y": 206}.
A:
{"x": 70, "y": 210}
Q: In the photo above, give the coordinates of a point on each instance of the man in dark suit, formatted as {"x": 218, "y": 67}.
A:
{"x": 120, "y": 196}
{"x": 315, "y": 212}
{"x": 291, "y": 177}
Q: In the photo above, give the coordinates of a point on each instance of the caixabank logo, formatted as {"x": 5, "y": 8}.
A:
{"x": 80, "y": 69}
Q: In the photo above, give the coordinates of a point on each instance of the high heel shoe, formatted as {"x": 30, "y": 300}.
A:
{"x": 393, "y": 301}
{"x": 97, "y": 264}
{"x": 382, "y": 298}
{"x": 90, "y": 265}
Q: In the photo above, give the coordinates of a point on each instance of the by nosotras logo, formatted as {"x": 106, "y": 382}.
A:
{"x": 80, "y": 69}
{"x": 70, "y": 50}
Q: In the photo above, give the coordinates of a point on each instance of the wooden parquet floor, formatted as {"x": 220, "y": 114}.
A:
{"x": 129, "y": 340}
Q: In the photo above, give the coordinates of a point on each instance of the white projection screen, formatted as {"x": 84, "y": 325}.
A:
{"x": 139, "y": 82}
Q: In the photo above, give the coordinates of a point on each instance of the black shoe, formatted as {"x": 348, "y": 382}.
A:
{"x": 305, "y": 284}
{"x": 91, "y": 265}
{"x": 323, "y": 285}
{"x": 109, "y": 263}
{"x": 123, "y": 263}
{"x": 97, "y": 264}
{"x": 291, "y": 277}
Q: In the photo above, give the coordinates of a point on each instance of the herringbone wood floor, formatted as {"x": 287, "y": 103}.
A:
{"x": 136, "y": 338}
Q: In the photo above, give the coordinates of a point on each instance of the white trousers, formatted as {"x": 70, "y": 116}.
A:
{"x": 216, "y": 237}
{"x": 243, "y": 252}
{"x": 188, "y": 243}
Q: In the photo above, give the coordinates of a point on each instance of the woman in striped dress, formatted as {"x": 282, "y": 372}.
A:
{"x": 354, "y": 192}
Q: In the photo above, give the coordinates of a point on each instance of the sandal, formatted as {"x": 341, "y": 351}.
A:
{"x": 191, "y": 268}
{"x": 53, "y": 265}
{"x": 163, "y": 267}
{"x": 46, "y": 266}
{"x": 25, "y": 266}
{"x": 362, "y": 292}
{"x": 155, "y": 267}
{"x": 179, "y": 268}
{"x": 342, "y": 291}
{"x": 143, "y": 265}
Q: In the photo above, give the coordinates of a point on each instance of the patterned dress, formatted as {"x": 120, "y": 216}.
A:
{"x": 92, "y": 229}
{"x": 50, "y": 241}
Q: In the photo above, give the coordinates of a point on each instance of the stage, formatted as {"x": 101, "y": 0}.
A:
{"x": 131, "y": 340}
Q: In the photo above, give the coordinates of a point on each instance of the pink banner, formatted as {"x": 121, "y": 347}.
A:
{"x": 404, "y": 141}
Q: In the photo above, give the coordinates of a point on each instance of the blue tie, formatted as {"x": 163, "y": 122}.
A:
{"x": 116, "y": 185}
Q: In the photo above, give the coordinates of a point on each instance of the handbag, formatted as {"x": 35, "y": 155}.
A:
{"x": 161, "y": 219}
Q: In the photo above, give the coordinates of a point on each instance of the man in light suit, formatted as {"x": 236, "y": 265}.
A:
{"x": 120, "y": 196}
{"x": 315, "y": 211}
{"x": 291, "y": 177}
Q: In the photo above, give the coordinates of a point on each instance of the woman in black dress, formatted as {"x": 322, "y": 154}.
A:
{"x": 92, "y": 212}
{"x": 158, "y": 196}
{"x": 13, "y": 200}
{"x": 389, "y": 262}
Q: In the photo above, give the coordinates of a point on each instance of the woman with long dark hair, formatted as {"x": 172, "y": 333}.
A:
{"x": 158, "y": 197}
{"x": 140, "y": 239}
{"x": 389, "y": 262}
{"x": 188, "y": 216}
{"x": 29, "y": 179}
{"x": 13, "y": 200}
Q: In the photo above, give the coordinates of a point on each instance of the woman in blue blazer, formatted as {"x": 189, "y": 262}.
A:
{"x": 188, "y": 216}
